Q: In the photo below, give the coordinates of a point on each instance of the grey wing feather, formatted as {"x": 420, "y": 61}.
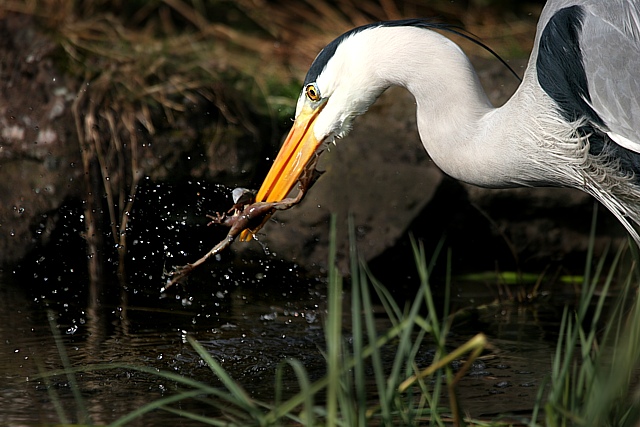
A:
{"x": 610, "y": 44}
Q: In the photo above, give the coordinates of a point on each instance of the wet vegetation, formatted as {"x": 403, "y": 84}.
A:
{"x": 375, "y": 377}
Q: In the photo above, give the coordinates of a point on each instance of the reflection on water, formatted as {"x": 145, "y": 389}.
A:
{"x": 248, "y": 328}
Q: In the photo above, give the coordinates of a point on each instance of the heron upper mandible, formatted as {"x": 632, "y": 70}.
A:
{"x": 574, "y": 121}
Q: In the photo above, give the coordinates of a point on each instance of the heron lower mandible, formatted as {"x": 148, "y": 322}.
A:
{"x": 573, "y": 122}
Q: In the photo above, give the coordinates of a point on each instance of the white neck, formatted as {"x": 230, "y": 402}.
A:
{"x": 463, "y": 133}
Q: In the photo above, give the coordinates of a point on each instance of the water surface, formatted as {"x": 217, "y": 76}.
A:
{"x": 248, "y": 325}
{"x": 249, "y": 317}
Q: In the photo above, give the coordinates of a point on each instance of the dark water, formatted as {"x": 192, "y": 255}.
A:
{"x": 248, "y": 329}
{"x": 249, "y": 317}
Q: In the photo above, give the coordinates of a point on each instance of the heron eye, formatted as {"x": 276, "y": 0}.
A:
{"x": 312, "y": 92}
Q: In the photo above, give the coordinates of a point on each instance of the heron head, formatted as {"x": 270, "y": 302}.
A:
{"x": 339, "y": 86}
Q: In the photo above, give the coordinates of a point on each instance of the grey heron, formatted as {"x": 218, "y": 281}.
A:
{"x": 574, "y": 121}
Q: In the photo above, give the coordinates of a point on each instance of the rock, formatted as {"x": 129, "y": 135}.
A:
{"x": 39, "y": 159}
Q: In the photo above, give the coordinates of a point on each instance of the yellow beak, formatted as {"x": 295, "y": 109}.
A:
{"x": 295, "y": 153}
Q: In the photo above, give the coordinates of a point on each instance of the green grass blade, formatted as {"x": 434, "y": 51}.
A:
{"x": 241, "y": 397}
{"x": 196, "y": 417}
{"x": 382, "y": 383}
{"x": 156, "y": 404}
{"x": 66, "y": 363}
{"x": 391, "y": 308}
{"x": 307, "y": 416}
{"x": 358, "y": 282}
{"x": 333, "y": 332}
{"x": 53, "y": 397}
{"x": 591, "y": 244}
